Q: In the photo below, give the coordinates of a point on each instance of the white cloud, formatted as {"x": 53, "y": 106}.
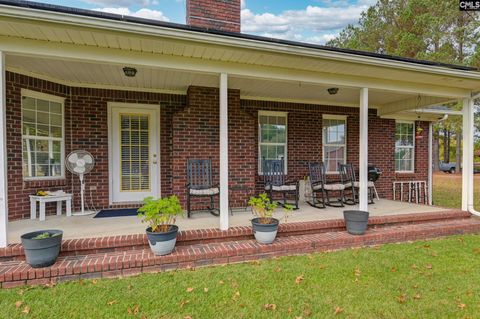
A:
{"x": 323, "y": 22}
{"x": 142, "y": 13}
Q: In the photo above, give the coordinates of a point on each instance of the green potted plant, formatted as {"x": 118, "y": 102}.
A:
{"x": 42, "y": 247}
{"x": 160, "y": 214}
{"x": 265, "y": 227}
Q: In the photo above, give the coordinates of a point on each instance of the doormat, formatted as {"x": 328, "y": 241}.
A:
{"x": 122, "y": 212}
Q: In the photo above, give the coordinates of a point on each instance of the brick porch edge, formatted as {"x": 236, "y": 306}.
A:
{"x": 133, "y": 262}
{"x": 94, "y": 245}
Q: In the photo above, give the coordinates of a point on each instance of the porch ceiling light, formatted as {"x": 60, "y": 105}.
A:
{"x": 130, "y": 72}
{"x": 332, "y": 91}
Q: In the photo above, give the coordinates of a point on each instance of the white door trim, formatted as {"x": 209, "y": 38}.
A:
{"x": 130, "y": 106}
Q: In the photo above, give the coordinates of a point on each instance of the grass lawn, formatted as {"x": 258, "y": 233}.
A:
{"x": 447, "y": 190}
{"x": 434, "y": 279}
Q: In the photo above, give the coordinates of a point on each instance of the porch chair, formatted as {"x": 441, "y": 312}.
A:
{"x": 319, "y": 185}
{"x": 349, "y": 179}
{"x": 275, "y": 182}
{"x": 199, "y": 183}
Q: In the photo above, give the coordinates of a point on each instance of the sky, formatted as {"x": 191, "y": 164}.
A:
{"x": 313, "y": 21}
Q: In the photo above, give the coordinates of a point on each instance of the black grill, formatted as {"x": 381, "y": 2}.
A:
{"x": 373, "y": 173}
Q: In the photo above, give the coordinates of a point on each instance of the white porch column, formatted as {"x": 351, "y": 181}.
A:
{"x": 224, "y": 206}
{"x": 363, "y": 158}
{"x": 430, "y": 163}
{"x": 3, "y": 156}
{"x": 467, "y": 164}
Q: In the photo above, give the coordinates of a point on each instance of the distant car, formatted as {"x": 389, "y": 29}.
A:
{"x": 448, "y": 167}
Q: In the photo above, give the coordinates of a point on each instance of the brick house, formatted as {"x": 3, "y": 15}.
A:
{"x": 205, "y": 90}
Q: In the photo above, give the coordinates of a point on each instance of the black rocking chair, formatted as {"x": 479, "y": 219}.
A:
{"x": 349, "y": 179}
{"x": 318, "y": 183}
{"x": 199, "y": 183}
{"x": 274, "y": 179}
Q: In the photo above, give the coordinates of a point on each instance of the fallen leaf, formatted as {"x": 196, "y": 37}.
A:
{"x": 415, "y": 286}
{"x": 289, "y": 309}
{"x": 428, "y": 266}
{"x": 426, "y": 246}
{"x": 278, "y": 269}
{"x": 402, "y": 299}
{"x": 234, "y": 284}
{"x": 414, "y": 266}
{"x": 393, "y": 269}
{"x": 94, "y": 281}
{"x": 255, "y": 262}
{"x": 358, "y": 272}
{"x": 81, "y": 282}
{"x": 338, "y": 310}
{"x": 111, "y": 302}
{"x": 299, "y": 279}
{"x": 26, "y": 310}
{"x": 307, "y": 312}
{"x": 221, "y": 282}
{"x": 18, "y": 304}
{"x": 189, "y": 289}
{"x": 299, "y": 317}
{"x": 434, "y": 254}
{"x": 236, "y": 295}
{"x": 183, "y": 303}
{"x": 187, "y": 317}
{"x": 322, "y": 266}
{"x": 20, "y": 292}
{"x": 130, "y": 287}
{"x": 133, "y": 310}
{"x": 462, "y": 306}
{"x": 476, "y": 250}
{"x": 417, "y": 296}
{"x": 205, "y": 289}
{"x": 270, "y": 306}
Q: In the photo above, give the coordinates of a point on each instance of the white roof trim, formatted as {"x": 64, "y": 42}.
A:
{"x": 148, "y": 30}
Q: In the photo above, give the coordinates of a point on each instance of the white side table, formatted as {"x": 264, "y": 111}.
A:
{"x": 47, "y": 199}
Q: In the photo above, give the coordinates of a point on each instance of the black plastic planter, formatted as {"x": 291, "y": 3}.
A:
{"x": 42, "y": 252}
{"x": 356, "y": 221}
{"x": 265, "y": 233}
{"x": 162, "y": 243}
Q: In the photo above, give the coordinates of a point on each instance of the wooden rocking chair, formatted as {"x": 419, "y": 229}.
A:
{"x": 274, "y": 179}
{"x": 199, "y": 183}
{"x": 318, "y": 183}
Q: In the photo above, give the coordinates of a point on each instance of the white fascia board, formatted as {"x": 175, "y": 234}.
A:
{"x": 136, "y": 28}
{"x": 65, "y": 51}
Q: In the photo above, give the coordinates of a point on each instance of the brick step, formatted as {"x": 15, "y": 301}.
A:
{"x": 136, "y": 261}
{"x": 72, "y": 247}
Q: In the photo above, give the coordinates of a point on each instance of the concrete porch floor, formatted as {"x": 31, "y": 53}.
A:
{"x": 88, "y": 227}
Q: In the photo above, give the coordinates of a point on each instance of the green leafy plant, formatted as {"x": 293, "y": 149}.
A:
{"x": 160, "y": 213}
{"x": 46, "y": 235}
{"x": 264, "y": 208}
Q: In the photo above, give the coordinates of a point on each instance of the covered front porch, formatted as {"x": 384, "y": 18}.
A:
{"x": 76, "y": 227}
{"x": 205, "y": 95}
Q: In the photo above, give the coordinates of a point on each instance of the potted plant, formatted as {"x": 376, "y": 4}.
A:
{"x": 42, "y": 247}
{"x": 356, "y": 221}
{"x": 160, "y": 214}
{"x": 264, "y": 226}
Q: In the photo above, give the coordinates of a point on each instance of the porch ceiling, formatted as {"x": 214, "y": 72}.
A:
{"x": 86, "y": 32}
{"x": 86, "y": 74}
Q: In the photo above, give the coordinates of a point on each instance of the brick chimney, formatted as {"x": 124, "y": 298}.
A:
{"x": 222, "y": 15}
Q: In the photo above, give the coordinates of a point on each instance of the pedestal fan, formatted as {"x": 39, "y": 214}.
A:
{"x": 80, "y": 163}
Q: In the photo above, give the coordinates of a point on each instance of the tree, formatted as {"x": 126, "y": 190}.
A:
{"x": 421, "y": 29}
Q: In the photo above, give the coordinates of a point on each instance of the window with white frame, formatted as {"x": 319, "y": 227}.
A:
{"x": 272, "y": 137}
{"x": 42, "y": 135}
{"x": 334, "y": 141}
{"x": 404, "y": 146}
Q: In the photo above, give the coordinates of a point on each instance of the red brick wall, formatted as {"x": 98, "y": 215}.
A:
{"x": 86, "y": 128}
{"x": 223, "y": 15}
{"x": 189, "y": 128}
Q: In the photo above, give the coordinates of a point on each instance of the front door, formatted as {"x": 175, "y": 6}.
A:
{"x": 135, "y": 172}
